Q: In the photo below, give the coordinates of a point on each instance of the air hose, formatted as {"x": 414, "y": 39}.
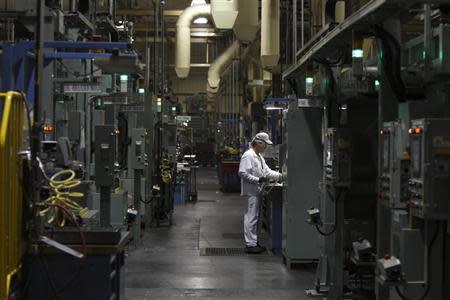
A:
{"x": 61, "y": 196}
{"x": 166, "y": 171}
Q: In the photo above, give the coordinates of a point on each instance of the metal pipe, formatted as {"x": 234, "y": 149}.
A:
{"x": 163, "y": 61}
{"x": 73, "y": 5}
{"x": 183, "y": 37}
{"x": 303, "y": 25}
{"x": 155, "y": 48}
{"x": 294, "y": 31}
{"x": 428, "y": 37}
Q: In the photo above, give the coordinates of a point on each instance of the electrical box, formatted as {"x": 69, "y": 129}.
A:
{"x": 430, "y": 168}
{"x": 395, "y": 166}
{"x": 337, "y": 164}
{"x": 119, "y": 206}
{"x": 105, "y": 153}
{"x": 136, "y": 156}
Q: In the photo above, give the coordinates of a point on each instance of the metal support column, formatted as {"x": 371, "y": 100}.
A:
{"x": 137, "y": 205}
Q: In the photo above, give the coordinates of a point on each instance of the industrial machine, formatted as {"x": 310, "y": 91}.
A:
{"x": 301, "y": 161}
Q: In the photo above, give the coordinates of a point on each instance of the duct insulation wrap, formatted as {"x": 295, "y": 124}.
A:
{"x": 224, "y": 13}
{"x": 183, "y": 39}
{"x": 270, "y": 32}
{"x": 247, "y": 23}
{"x": 219, "y": 66}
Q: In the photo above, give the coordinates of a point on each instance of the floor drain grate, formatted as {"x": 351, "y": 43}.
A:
{"x": 227, "y": 252}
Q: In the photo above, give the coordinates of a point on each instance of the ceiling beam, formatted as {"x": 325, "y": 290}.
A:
{"x": 196, "y": 40}
{"x": 147, "y": 12}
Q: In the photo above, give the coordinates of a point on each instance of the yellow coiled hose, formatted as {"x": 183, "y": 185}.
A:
{"x": 166, "y": 171}
{"x": 61, "y": 196}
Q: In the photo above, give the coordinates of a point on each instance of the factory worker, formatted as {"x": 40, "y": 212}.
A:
{"x": 254, "y": 171}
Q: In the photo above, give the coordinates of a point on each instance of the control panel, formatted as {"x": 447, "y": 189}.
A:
{"x": 105, "y": 153}
{"x": 395, "y": 166}
{"x": 137, "y": 155}
{"x": 430, "y": 168}
{"x": 337, "y": 160}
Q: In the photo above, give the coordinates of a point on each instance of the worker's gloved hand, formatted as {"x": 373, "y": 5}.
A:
{"x": 263, "y": 179}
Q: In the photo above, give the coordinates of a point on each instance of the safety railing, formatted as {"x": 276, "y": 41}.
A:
{"x": 11, "y": 143}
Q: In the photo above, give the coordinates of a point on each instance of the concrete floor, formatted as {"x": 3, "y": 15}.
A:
{"x": 168, "y": 265}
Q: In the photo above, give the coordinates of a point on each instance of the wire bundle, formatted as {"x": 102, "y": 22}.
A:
{"x": 60, "y": 199}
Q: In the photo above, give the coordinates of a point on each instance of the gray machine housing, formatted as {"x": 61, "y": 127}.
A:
{"x": 430, "y": 168}
{"x": 303, "y": 165}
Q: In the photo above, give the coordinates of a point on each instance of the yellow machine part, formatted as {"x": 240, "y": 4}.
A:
{"x": 11, "y": 143}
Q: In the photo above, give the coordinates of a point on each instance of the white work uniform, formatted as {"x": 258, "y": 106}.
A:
{"x": 251, "y": 168}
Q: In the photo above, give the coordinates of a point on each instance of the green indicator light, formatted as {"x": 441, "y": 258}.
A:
{"x": 424, "y": 54}
{"x": 174, "y": 109}
{"x": 141, "y": 91}
{"x": 377, "y": 83}
{"x": 309, "y": 80}
{"x": 123, "y": 77}
{"x": 357, "y": 53}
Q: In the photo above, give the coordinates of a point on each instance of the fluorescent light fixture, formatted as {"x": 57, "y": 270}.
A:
{"x": 203, "y": 34}
{"x": 141, "y": 91}
{"x": 357, "y": 53}
{"x": 309, "y": 80}
{"x": 123, "y": 77}
{"x": 274, "y": 106}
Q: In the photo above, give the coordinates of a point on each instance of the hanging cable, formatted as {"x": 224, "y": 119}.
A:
{"x": 429, "y": 250}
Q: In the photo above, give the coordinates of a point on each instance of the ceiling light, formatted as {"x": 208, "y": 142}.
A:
{"x": 201, "y": 21}
{"x": 198, "y": 2}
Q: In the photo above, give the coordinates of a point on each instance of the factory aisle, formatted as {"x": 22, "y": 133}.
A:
{"x": 169, "y": 265}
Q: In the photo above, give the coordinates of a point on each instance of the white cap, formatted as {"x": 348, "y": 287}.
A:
{"x": 264, "y": 137}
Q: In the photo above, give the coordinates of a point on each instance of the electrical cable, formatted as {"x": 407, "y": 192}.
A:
{"x": 429, "y": 248}
{"x": 326, "y": 233}
{"x": 400, "y": 294}
{"x": 391, "y": 60}
{"x": 339, "y": 195}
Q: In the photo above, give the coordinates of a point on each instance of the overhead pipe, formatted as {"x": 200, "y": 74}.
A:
{"x": 218, "y": 67}
{"x": 247, "y": 23}
{"x": 183, "y": 39}
{"x": 270, "y": 33}
{"x": 224, "y": 13}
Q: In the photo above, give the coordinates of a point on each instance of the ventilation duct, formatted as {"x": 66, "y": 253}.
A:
{"x": 270, "y": 32}
{"x": 224, "y": 12}
{"x": 219, "y": 66}
{"x": 183, "y": 40}
{"x": 247, "y": 23}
